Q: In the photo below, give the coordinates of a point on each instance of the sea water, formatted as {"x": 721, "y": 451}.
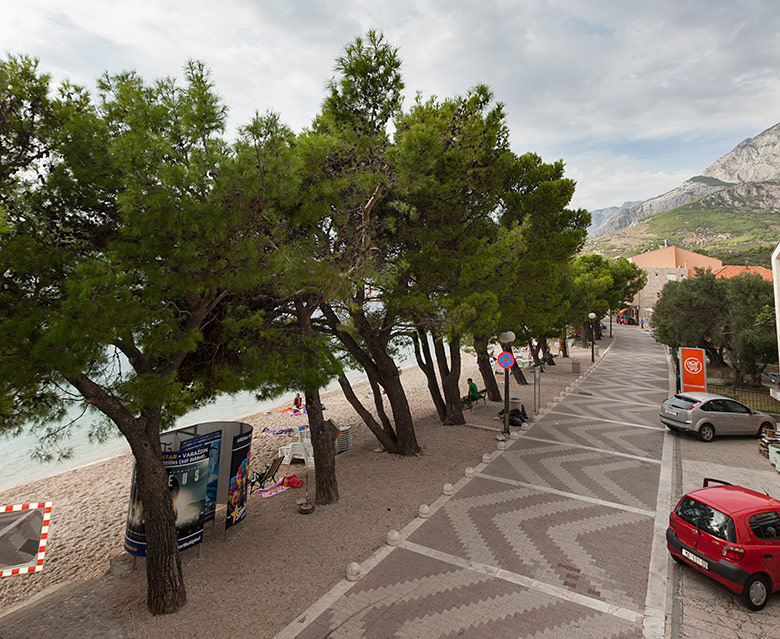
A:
{"x": 17, "y": 468}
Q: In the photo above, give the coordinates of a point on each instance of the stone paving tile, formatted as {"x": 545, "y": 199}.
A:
{"x": 642, "y": 442}
{"x": 630, "y": 482}
{"x": 413, "y": 595}
{"x": 587, "y": 548}
{"x": 594, "y": 404}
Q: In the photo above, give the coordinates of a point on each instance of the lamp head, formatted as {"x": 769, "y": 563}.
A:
{"x": 591, "y": 316}
{"x": 506, "y": 337}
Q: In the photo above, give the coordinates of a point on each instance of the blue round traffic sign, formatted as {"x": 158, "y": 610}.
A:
{"x": 506, "y": 360}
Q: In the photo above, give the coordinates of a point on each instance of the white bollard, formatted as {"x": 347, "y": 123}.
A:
{"x": 469, "y": 472}
{"x": 423, "y": 511}
{"x": 486, "y": 457}
{"x": 353, "y": 571}
{"x": 448, "y": 489}
{"x": 393, "y": 538}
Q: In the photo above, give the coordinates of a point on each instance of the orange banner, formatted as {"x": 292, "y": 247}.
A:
{"x": 693, "y": 370}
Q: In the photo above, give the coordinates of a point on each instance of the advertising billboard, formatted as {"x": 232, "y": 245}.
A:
{"x": 693, "y": 370}
{"x": 188, "y": 474}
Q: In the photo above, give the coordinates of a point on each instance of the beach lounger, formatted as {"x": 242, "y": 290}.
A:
{"x": 269, "y": 473}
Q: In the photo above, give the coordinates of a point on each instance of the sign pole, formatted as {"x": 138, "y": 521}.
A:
{"x": 506, "y": 401}
{"x": 506, "y": 360}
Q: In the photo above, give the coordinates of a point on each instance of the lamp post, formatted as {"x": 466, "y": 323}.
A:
{"x": 507, "y": 337}
{"x": 591, "y": 317}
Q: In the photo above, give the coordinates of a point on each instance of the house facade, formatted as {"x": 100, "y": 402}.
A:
{"x": 664, "y": 265}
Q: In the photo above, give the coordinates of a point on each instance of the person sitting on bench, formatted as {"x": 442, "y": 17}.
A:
{"x": 473, "y": 394}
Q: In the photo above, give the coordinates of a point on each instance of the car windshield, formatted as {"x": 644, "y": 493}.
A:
{"x": 706, "y": 518}
{"x": 680, "y": 401}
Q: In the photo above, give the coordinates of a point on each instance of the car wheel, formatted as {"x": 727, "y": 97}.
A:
{"x": 766, "y": 427}
{"x": 756, "y": 592}
{"x": 707, "y": 432}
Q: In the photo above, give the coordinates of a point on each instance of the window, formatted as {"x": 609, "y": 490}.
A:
{"x": 715, "y": 406}
{"x": 706, "y": 518}
{"x": 766, "y": 525}
{"x": 680, "y": 401}
{"x": 736, "y": 407}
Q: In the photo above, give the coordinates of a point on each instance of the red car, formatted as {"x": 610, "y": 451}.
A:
{"x": 731, "y": 534}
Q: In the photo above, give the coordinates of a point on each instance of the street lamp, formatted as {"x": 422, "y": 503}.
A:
{"x": 591, "y": 317}
{"x": 507, "y": 337}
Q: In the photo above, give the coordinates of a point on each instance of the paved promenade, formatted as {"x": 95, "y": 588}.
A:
{"x": 558, "y": 533}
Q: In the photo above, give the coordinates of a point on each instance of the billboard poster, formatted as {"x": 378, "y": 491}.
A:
{"x": 693, "y": 370}
{"x": 187, "y": 480}
{"x": 214, "y": 440}
{"x": 239, "y": 485}
{"x": 24, "y": 530}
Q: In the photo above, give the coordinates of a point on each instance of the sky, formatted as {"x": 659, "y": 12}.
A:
{"x": 634, "y": 97}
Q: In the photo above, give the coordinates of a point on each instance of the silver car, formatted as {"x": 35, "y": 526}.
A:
{"x": 709, "y": 415}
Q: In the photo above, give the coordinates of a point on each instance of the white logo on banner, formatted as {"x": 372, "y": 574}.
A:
{"x": 692, "y": 365}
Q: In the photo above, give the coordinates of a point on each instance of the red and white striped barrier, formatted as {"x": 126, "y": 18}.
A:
{"x": 36, "y": 564}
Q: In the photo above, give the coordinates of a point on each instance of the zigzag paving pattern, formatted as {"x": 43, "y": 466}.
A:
{"x": 419, "y": 596}
{"x": 552, "y": 538}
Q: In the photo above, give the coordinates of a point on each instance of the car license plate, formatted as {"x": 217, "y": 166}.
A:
{"x": 671, "y": 412}
{"x": 697, "y": 560}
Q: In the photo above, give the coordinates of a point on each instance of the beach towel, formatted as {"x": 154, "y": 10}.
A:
{"x": 279, "y": 431}
{"x": 279, "y": 487}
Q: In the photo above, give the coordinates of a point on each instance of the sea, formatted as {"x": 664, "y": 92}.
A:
{"x": 17, "y": 467}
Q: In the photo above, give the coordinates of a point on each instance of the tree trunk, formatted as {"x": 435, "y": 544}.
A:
{"x": 584, "y": 334}
{"x": 450, "y": 376}
{"x": 425, "y": 362}
{"x": 165, "y": 592}
{"x": 381, "y": 368}
{"x": 399, "y": 405}
{"x": 534, "y": 350}
{"x": 386, "y": 436}
{"x": 485, "y": 365}
{"x": 564, "y": 346}
{"x": 323, "y": 439}
{"x": 714, "y": 355}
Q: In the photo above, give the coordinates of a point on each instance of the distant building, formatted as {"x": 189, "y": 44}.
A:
{"x": 668, "y": 264}
{"x": 727, "y": 272}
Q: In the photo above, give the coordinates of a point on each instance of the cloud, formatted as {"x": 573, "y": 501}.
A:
{"x": 629, "y": 95}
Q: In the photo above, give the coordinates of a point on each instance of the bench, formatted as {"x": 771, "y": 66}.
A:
{"x": 468, "y": 401}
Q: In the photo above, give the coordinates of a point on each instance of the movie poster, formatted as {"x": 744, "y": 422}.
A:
{"x": 237, "y": 492}
{"x": 188, "y": 473}
{"x": 214, "y": 439}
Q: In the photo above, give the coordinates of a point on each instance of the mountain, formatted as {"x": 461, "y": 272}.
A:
{"x": 753, "y": 161}
{"x": 598, "y": 216}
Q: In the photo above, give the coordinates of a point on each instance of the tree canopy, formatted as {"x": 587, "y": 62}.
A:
{"x": 148, "y": 264}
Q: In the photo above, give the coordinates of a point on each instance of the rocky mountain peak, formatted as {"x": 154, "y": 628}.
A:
{"x": 753, "y": 160}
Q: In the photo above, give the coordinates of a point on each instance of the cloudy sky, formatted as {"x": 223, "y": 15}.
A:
{"x": 635, "y": 97}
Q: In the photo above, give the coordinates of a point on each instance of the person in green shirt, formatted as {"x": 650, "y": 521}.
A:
{"x": 473, "y": 390}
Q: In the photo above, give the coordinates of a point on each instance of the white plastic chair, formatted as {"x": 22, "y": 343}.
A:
{"x": 297, "y": 450}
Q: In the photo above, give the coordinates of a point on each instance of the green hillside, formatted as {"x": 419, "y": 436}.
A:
{"x": 738, "y": 224}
